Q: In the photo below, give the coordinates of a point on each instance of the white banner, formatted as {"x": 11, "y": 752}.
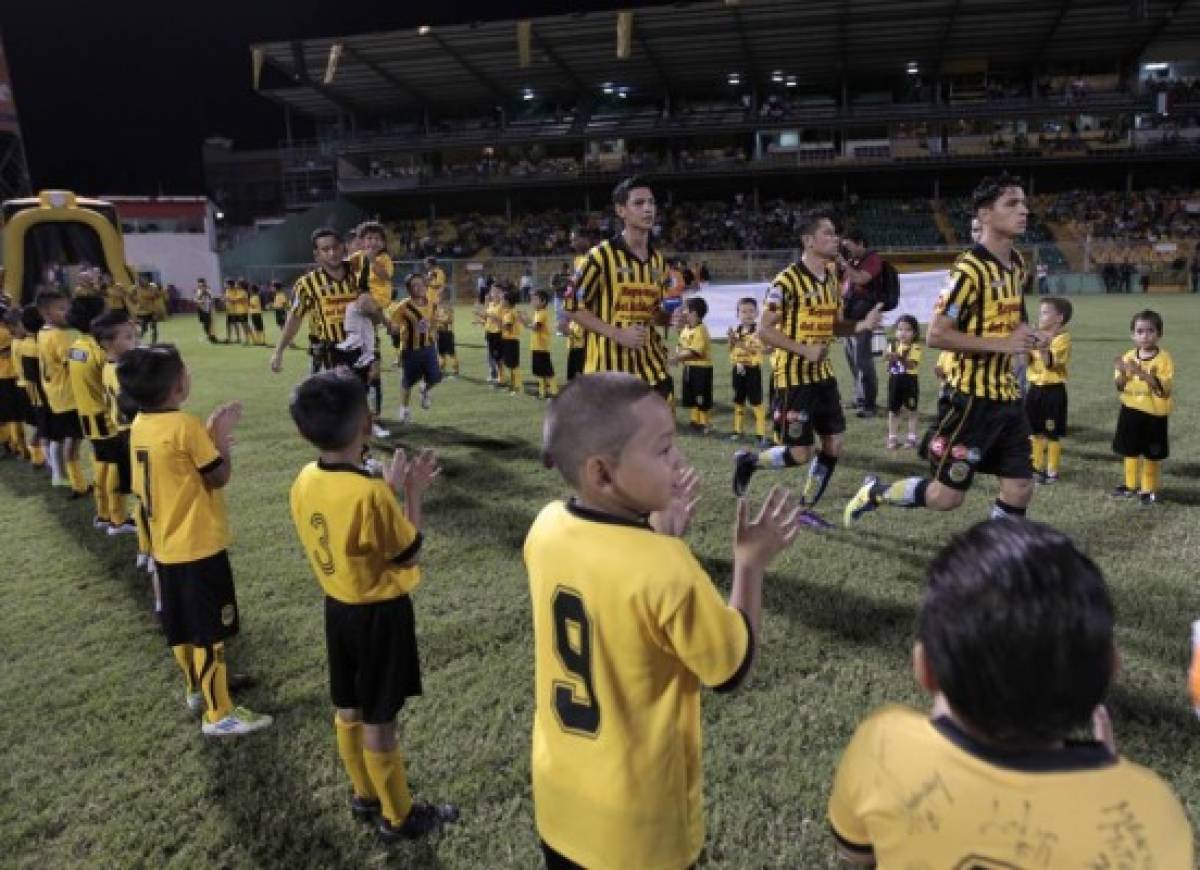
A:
{"x": 918, "y": 293}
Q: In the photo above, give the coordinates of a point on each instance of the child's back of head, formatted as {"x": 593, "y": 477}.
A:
{"x": 329, "y": 409}
{"x": 593, "y": 415}
{"x": 148, "y": 375}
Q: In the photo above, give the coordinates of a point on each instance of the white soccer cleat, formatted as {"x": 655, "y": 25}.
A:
{"x": 378, "y": 431}
{"x": 426, "y": 402}
{"x": 403, "y": 415}
{"x": 239, "y": 721}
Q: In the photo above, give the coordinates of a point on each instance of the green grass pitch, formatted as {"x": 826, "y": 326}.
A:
{"x": 102, "y": 765}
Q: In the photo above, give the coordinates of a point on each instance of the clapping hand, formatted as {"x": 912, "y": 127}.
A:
{"x": 675, "y": 518}
{"x": 413, "y": 477}
{"x": 759, "y": 540}
{"x": 221, "y": 423}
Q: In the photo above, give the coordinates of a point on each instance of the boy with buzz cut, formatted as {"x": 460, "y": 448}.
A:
{"x": 627, "y": 626}
{"x": 541, "y": 328}
{"x": 1145, "y": 379}
{"x": 1015, "y": 644}
{"x": 745, "y": 355}
{"x": 180, "y": 467}
{"x": 694, "y": 351}
{"x": 86, "y": 367}
{"x": 364, "y": 550}
{"x": 1046, "y": 397}
{"x": 115, "y": 334}
{"x": 62, "y": 423}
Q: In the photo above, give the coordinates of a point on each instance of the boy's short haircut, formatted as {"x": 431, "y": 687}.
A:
{"x": 912, "y": 322}
{"x": 31, "y": 318}
{"x": 83, "y": 310}
{"x": 544, "y": 295}
{"x": 1017, "y": 625}
{"x": 810, "y": 222}
{"x": 620, "y": 194}
{"x": 369, "y": 227}
{"x": 698, "y": 306}
{"x": 148, "y": 374}
{"x": 991, "y": 188}
{"x": 1063, "y": 306}
{"x": 328, "y": 409}
{"x": 321, "y": 232}
{"x": 512, "y": 298}
{"x": 592, "y": 416}
{"x": 1149, "y": 317}
{"x": 104, "y": 328}
{"x": 48, "y": 295}
{"x": 747, "y": 300}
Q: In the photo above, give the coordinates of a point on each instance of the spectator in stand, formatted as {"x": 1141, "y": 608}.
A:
{"x": 862, "y": 274}
{"x": 1196, "y": 269}
{"x": 526, "y": 284}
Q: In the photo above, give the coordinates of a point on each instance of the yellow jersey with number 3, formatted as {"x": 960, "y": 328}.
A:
{"x": 626, "y": 627}
{"x": 171, "y": 451}
{"x": 361, "y": 546}
{"x": 918, "y": 792}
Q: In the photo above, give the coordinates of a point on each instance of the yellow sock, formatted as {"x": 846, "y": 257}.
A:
{"x": 350, "y": 748}
{"x": 37, "y": 455}
{"x": 760, "y": 420}
{"x": 75, "y": 475}
{"x": 214, "y": 681}
{"x": 739, "y": 415}
{"x": 517, "y": 383}
{"x": 454, "y": 362}
{"x": 1038, "y": 443}
{"x": 551, "y": 386}
{"x": 1131, "y": 472}
{"x": 185, "y": 657}
{"x": 1053, "y": 456}
{"x": 100, "y": 488}
{"x": 386, "y": 770}
{"x": 117, "y": 515}
{"x": 1151, "y": 472}
{"x": 16, "y": 437}
{"x": 705, "y": 418}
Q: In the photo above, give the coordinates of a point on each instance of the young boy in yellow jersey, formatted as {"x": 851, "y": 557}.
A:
{"x": 745, "y": 355}
{"x": 13, "y": 401}
{"x": 510, "y": 344}
{"x": 576, "y": 339}
{"x": 373, "y": 248}
{"x": 62, "y": 423}
{"x": 254, "y": 309}
{"x": 627, "y": 627}
{"x": 489, "y": 318}
{"x": 115, "y": 334}
{"x": 1015, "y": 644}
{"x": 279, "y": 303}
{"x": 903, "y": 360}
{"x": 1145, "y": 378}
{"x": 412, "y": 322}
{"x": 147, "y": 300}
{"x": 447, "y": 352}
{"x": 435, "y": 282}
{"x": 364, "y": 549}
{"x": 180, "y": 466}
{"x": 29, "y": 367}
{"x": 694, "y": 351}
{"x": 541, "y": 329}
{"x": 86, "y": 368}
{"x": 1046, "y": 395}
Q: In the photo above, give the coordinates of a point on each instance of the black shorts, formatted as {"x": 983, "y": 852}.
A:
{"x": 280, "y": 317}
{"x": 802, "y": 412}
{"x": 978, "y": 435}
{"x": 256, "y": 322}
{"x": 1141, "y": 434}
{"x": 115, "y": 450}
{"x": 493, "y": 345}
{"x": 510, "y": 353}
{"x": 445, "y": 342}
{"x": 697, "y": 387}
{"x": 904, "y": 393}
{"x": 373, "y": 661}
{"x": 420, "y": 364}
{"x": 205, "y": 319}
{"x": 747, "y": 385}
{"x": 329, "y": 356}
{"x": 574, "y": 363}
{"x": 665, "y": 388}
{"x": 37, "y": 419}
{"x": 62, "y": 426}
{"x": 1046, "y": 408}
{"x": 540, "y": 364}
{"x": 198, "y": 601}
{"x": 12, "y": 408}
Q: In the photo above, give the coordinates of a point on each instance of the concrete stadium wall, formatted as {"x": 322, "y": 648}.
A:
{"x": 177, "y": 258}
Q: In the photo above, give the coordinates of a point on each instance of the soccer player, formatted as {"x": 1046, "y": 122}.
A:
{"x": 181, "y": 465}
{"x": 510, "y": 344}
{"x": 618, "y": 298}
{"x": 85, "y": 367}
{"x": 113, "y": 331}
{"x": 1015, "y": 644}
{"x": 576, "y": 339}
{"x": 1145, "y": 378}
{"x": 373, "y": 256}
{"x": 13, "y": 401}
{"x": 745, "y": 355}
{"x": 1046, "y": 396}
{"x": 695, "y": 353}
{"x": 116, "y": 296}
{"x": 148, "y": 305}
{"x": 364, "y": 549}
{"x": 62, "y": 423}
{"x": 435, "y": 281}
{"x": 541, "y": 329}
{"x": 627, "y": 626}
{"x": 30, "y": 368}
{"x": 254, "y": 309}
{"x": 447, "y": 352}
{"x": 279, "y": 303}
{"x": 800, "y": 319}
{"x": 323, "y": 296}
{"x": 903, "y": 359}
{"x": 490, "y": 317}
{"x": 412, "y": 320}
{"x": 980, "y": 315}
{"x": 204, "y": 308}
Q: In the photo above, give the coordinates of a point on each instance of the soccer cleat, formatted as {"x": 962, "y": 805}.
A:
{"x": 745, "y": 463}
{"x": 1123, "y": 491}
{"x": 364, "y": 809}
{"x": 911, "y": 441}
{"x": 893, "y": 443}
{"x": 426, "y": 402}
{"x": 1039, "y": 477}
{"x": 1051, "y": 478}
{"x": 735, "y": 436}
{"x": 126, "y": 528}
{"x": 194, "y": 702}
{"x": 813, "y": 520}
{"x": 1148, "y": 499}
{"x": 422, "y": 819}
{"x": 378, "y": 431}
{"x": 864, "y": 501}
{"x": 403, "y": 415}
{"x": 239, "y": 721}
{"x": 141, "y": 561}
{"x": 59, "y": 481}
{"x": 99, "y": 523}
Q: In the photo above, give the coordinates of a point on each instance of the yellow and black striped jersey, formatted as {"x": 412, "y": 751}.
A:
{"x": 808, "y": 307}
{"x": 324, "y": 299}
{"x": 54, "y": 345}
{"x": 696, "y": 339}
{"x": 414, "y": 321}
{"x": 623, "y": 290}
{"x": 985, "y": 298}
{"x": 380, "y": 287}
{"x": 444, "y": 315}
{"x": 945, "y": 364}
{"x": 543, "y": 329}
{"x": 1138, "y": 394}
{"x": 435, "y": 284}
{"x": 1049, "y": 366}
{"x": 908, "y": 361}
{"x": 576, "y": 336}
{"x": 745, "y": 347}
{"x": 86, "y": 364}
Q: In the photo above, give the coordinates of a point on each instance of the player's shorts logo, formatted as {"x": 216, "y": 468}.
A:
{"x": 228, "y": 615}
{"x": 1049, "y": 425}
{"x": 958, "y": 472}
{"x": 959, "y": 451}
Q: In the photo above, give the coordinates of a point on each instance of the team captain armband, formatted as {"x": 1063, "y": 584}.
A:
{"x": 774, "y": 297}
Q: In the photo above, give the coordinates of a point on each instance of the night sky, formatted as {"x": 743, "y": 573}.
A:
{"x": 118, "y": 97}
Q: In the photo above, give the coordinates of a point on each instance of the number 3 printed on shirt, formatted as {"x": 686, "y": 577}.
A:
{"x": 575, "y": 703}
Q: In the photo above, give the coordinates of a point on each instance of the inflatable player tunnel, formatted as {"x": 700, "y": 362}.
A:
{"x": 56, "y": 227}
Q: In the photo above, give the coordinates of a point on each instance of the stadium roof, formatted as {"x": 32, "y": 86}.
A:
{"x": 692, "y": 48}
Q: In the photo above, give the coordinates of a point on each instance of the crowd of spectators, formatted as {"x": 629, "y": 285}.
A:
{"x": 1146, "y": 215}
